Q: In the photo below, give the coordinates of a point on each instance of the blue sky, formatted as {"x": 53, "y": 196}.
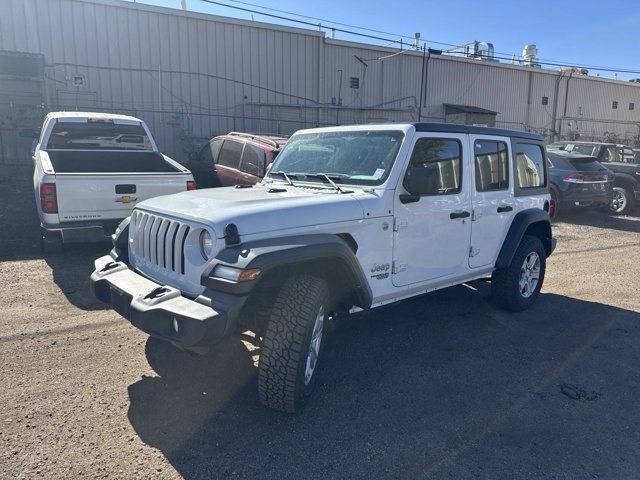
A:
{"x": 581, "y": 32}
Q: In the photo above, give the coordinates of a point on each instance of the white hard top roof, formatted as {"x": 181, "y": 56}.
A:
{"x": 100, "y": 115}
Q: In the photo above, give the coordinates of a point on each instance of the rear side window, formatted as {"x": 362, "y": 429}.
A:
{"x": 491, "y": 165}
{"x": 98, "y": 135}
{"x": 439, "y": 162}
{"x": 529, "y": 166}
{"x": 230, "y": 154}
{"x": 252, "y": 161}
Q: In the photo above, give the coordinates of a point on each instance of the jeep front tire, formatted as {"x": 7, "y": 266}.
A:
{"x": 292, "y": 343}
{"x": 516, "y": 287}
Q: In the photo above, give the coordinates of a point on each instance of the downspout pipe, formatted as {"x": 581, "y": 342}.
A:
{"x": 566, "y": 99}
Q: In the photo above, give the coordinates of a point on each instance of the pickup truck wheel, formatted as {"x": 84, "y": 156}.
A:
{"x": 292, "y": 343}
{"x": 516, "y": 287}
{"x": 622, "y": 201}
{"x": 50, "y": 242}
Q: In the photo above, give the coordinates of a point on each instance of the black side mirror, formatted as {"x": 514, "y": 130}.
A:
{"x": 419, "y": 182}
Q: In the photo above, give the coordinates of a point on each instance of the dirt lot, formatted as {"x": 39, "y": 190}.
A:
{"x": 443, "y": 386}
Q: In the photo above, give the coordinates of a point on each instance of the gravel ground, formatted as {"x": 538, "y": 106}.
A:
{"x": 442, "y": 386}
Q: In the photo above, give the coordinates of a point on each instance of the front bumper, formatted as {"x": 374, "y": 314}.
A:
{"x": 132, "y": 296}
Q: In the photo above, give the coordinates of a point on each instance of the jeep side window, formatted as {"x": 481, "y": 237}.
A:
{"x": 529, "y": 165}
{"x": 436, "y": 166}
{"x": 252, "y": 161}
{"x": 492, "y": 165}
{"x": 230, "y": 154}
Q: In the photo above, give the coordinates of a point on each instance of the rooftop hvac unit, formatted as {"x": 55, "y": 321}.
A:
{"x": 529, "y": 54}
{"x": 480, "y": 50}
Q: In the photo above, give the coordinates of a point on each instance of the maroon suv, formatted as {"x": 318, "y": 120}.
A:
{"x": 234, "y": 159}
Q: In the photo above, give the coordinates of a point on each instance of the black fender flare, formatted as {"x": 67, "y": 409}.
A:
{"x": 521, "y": 222}
{"x": 289, "y": 251}
{"x": 626, "y": 179}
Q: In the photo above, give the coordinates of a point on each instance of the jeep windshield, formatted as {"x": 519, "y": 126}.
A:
{"x": 360, "y": 157}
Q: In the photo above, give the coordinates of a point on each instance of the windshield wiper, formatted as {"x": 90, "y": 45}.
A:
{"x": 284, "y": 175}
{"x": 328, "y": 178}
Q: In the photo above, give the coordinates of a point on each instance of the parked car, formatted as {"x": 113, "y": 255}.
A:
{"x": 234, "y": 159}
{"x": 90, "y": 171}
{"x": 347, "y": 219}
{"x": 621, "y": 160}
{"x": 577, "y": 181}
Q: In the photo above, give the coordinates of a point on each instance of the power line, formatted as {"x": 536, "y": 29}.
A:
{"x": 396, "y": 41}
{"x": 323, "y": 20}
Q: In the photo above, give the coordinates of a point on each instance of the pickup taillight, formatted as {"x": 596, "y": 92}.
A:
{"x": 48, "y": 198}
{"x": 191, "y": 185}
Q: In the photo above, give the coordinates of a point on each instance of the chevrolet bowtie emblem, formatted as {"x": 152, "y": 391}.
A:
{"x": 126, "y": 199}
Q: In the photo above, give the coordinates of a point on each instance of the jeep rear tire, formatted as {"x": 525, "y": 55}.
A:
{"x": 292, "y": 343}
{"x": 516, "y": 287}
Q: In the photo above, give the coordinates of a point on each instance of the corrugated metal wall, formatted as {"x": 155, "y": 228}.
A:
{"x": 191, "y": 76}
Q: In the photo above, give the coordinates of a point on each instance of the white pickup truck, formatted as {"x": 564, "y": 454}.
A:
{"x": 90, "y": 171}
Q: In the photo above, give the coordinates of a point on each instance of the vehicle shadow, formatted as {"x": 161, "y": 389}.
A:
{"x": 71, "y": 270}
{"x": 594, "y": 218}
{"x": 20, "y": 235}
{"x": 440, "y": 386}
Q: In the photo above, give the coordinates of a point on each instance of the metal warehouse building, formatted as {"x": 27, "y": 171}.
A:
{"x": 192, "y": 75}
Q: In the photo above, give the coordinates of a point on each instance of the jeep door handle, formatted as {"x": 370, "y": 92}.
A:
{"x": 505, "y": 208}
{"x": 460, "y": 214}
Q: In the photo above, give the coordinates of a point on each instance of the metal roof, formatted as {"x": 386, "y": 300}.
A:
{"x": 456, "y": 128}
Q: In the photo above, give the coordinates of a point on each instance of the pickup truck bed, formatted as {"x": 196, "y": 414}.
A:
{"x": 70, "y": 161}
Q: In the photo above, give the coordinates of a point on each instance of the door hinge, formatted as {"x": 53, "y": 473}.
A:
{"x": 398, "y": 267}
{"x": 398, "y": 224}
{"x": 474, "y": 215}
{"x": 473, "y": 252}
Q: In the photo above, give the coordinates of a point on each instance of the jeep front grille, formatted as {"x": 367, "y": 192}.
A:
{"x": 159, "y": 240}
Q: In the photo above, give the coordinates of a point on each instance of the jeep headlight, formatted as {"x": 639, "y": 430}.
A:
{"x": 206, "y": 244}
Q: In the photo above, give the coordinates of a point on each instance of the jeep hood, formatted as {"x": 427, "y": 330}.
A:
{"x": 256, "y": 210}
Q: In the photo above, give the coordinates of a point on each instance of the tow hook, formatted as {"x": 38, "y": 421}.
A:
{"x": 156, "y": 293}
{"x": 109, "y": 266}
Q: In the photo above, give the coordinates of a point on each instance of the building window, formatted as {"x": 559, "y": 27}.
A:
{"x": 579, "y": 110}
{"x": 355, "y": 82}
{"x": 615, "y": 105}
{"x": 545, "y": 100}
{"x": 632, "y": 106}
{"x": 492, "y": 165}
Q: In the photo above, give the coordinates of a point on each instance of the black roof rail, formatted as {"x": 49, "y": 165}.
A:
{"x": 457, "y": 128}
{"x": 257, "y": 138}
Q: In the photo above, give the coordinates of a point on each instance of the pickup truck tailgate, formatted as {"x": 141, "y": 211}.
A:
{"x": 99, "y": 196}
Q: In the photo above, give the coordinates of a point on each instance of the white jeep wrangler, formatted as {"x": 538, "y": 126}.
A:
{"x": 347, "y": 219}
